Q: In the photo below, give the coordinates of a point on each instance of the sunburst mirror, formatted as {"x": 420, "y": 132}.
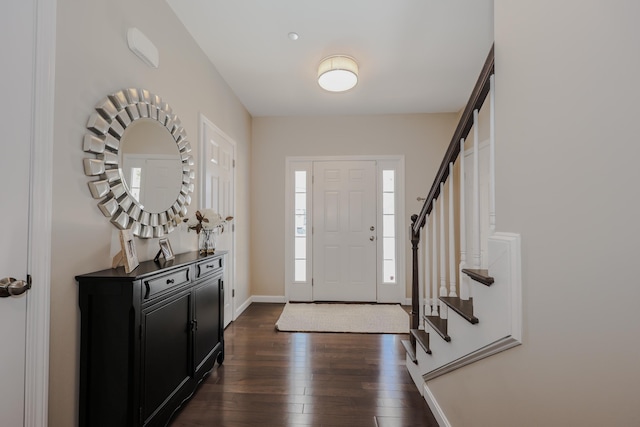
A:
{"x": 142, "y": 163}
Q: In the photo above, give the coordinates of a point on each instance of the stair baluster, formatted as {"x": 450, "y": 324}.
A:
{"x": 476, "y": 194}
{"x": 425, "y": 303}
{"x": 443, "y": 256}
{"x": 452, "y": 235}
{"x": 492, "y": 156}
{"x": 464, "y": 282}
{"x": 434, "y": 262}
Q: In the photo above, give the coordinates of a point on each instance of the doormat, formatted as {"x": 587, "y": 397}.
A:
{"x": 353, "y": 318}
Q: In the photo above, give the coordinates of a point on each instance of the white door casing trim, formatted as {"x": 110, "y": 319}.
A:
{"x": 39, "y": 297}
{"x": 202, "y": 171}
{"x": 387, "y": 293}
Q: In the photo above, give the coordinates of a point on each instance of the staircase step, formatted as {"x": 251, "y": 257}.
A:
{"x": 479, "y": 275}
{"x": 422, "y": 338}
{"x": 410, "y": 350}
{"x": 463, "y": 307}
{"x": 439, "y": 325}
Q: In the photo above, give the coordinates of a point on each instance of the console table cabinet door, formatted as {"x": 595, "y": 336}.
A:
{"x": 108, "y": 341}
{"x": 207, "y": 319}
{"x": 165, "y": 352}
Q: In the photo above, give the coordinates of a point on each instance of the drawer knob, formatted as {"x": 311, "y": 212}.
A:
{"x": 210, "y": 265}
{"x": 170, "y": 281}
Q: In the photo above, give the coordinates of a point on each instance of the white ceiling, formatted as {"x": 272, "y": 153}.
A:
{"x": 415, "y": 56}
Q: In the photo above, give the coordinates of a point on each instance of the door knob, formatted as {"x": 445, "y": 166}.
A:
{"x": 372, "y": 228}
{"x": 372, "y": 238}
{"x": 12, "y": 287}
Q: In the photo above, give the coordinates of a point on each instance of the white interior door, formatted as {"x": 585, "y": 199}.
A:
{"x": 219, "y": 195}
{"x": 344, "y": 231}
{"x": 16, "y": 25}
{"x": 160, "y": 189}
{"x": 152, "y": 180}
{"x": 14, "y": 191}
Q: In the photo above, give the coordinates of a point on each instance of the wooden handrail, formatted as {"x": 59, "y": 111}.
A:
{"x": 478, "y": 96}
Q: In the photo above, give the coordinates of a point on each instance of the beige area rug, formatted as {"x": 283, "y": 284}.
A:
{"x": 355, "y": 318}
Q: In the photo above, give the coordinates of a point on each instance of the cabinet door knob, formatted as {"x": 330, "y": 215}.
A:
{"x": 170, "y": 281}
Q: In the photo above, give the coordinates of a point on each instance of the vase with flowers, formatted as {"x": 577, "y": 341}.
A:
{"x": 208, "y": 225}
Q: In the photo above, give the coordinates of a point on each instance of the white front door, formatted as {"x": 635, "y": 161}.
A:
{"x": 344, "y": 231}
{"x": 17, "y": 30}
{"x": 219, "y": 196}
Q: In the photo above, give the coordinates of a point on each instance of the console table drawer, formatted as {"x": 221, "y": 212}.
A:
{"x": 159, "y": 284}
{"x": 210, "y": 266}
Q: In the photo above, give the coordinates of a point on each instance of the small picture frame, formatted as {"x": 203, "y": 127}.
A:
{"x": 127, "y": 255}
{"x": 165, "y": 250}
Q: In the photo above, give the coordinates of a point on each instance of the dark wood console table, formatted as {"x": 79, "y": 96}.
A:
{"x": 148, "y": 338}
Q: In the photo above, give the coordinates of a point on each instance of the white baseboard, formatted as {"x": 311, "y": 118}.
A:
{"x": 437, "y": 411}
{"x": 242, "y": 308}
{"x": 489, "y": 350}
{"x": 257, "y": 299}
{"x": 281, "y": 299}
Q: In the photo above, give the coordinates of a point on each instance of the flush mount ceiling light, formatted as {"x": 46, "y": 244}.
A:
{"x": 338, "y": 73}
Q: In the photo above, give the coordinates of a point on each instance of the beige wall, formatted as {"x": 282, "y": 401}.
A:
{"x": 421, "y": 138}
{"x": 92, "y": 60}
{"x": 567, "y": 180}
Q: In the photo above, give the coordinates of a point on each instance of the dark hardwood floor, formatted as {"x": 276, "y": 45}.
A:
{"x": 272, "y": 378}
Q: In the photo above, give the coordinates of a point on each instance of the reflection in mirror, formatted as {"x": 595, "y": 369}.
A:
{"x": 151, "y": 167}
{"x": 142, "y": 169}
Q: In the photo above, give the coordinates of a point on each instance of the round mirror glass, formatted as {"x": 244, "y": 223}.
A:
{"x": 150, "y": 165}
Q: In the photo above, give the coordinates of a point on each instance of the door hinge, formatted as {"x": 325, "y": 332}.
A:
{"x": 233, "y": 163}
{"x": 312, "y": 281}
{"x": 233, "y": 293}
{"x": 313, "y": 179}
{"x": 233, "y": 228}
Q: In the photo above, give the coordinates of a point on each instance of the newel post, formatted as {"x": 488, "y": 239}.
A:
{"x": 415, "y": 297}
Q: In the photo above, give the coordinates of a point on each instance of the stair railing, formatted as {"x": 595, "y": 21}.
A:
{"x": 440, "y": 254}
